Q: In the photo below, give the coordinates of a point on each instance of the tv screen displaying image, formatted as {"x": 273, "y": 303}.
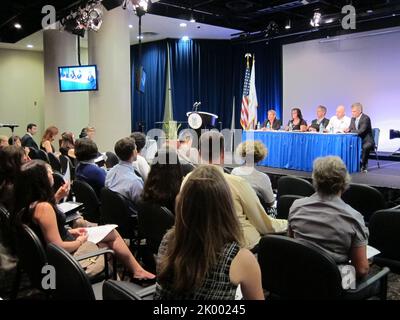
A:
{"x": 140, "y": 79}
{"x": 78, "y": 78}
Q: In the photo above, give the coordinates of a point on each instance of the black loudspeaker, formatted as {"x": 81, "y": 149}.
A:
{"x": 111, "y": 4}
{"x": 394, "y": 134}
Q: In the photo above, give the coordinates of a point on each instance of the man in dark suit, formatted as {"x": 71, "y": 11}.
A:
{"x": 321, "y": 122}
{"x": 27, "y": 139}
{"x": 361, "y": 124}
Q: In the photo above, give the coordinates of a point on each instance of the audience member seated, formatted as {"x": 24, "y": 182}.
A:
{"x": 122, "y": 178}
{"x": 186, "y": 153}
{"x": 340, "y": 122}
{"x": 164, "y": 180}
{"x": 14, "y": 140}
{"x": 252, "y": 153}
{"x": 88, "y": 132}
{"x": 325, "y": 220}
{"x": 140, "y": 163}
{"x": 297, "y": 123}
{"x": 86, "y": 152}
{"x": 201, "y": 257}
{"x": 272, "y": 123}
{"x": 27, "y": 139}
{"x": 3, "y": 141}
{"x": 319, "y": 124}
{"x": 11, "y": 160}
{"x": 35, "y": 195}
{"x": 47, "y": 139}
{"x": 67, "y": 146}
{"x": 253, "y": 219}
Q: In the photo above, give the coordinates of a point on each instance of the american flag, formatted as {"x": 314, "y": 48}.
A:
{"x": 248, "y": 117}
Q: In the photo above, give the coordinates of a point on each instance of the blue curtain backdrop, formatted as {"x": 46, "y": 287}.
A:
{"x": 148, "y": 107}
{"x": 210, "y": 71}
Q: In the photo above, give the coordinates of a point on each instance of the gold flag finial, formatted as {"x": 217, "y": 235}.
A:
{"x": 248, "y": 56}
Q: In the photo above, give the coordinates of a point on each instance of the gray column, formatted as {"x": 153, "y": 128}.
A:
{"x": 110, "y": 107}
{"x": 68, "y": 111}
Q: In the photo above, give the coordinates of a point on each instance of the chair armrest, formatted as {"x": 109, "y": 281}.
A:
{"x": 369, "y": 280}
{"x": 122, "y": 290}
{"x": 95, "y": 254}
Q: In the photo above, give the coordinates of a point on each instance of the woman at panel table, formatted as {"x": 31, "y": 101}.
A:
{"x": 297, "y": 123}
{"x": 272, "y": 123}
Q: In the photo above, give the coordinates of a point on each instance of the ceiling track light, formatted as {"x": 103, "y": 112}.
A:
{"x": 316, "y": 19}
{"x": 88, "y": 17}
{"x": 139, "y": 7}
{"x": 288, "y": 24}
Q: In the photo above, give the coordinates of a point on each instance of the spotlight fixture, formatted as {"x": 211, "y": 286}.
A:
{"x": 89, "y": 17}
{"x": 130, "y": 26}
{"x": 30, "y": 46}
{"x": 288, "y": 24}
{"x": 329, "y": 21}
{"x": 316, "y": 19}
{"x": 183, "y": 25}
{"x": 139, "y": 7}
{"x": 17, "y": 26}
{"x": 272, "y": 29}
{"x": 192, "y": 19}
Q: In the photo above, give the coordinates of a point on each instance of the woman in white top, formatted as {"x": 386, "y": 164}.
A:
{"x": 253, "y": 152}
{"x": 140, "y": 164}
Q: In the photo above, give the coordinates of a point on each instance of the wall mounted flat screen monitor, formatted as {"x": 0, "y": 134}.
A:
{"x": 140, "y": 79}
{"x": 78, "y": 78}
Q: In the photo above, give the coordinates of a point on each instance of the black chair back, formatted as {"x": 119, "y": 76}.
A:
{"x": 384, "y": 227}
{"x": 295, "y": 186}
{"x": 54, "y": 162}
{"x": 31, "y": 254}
{"x": 284, "y": 204}
{"x": 72, "y": 282}
{"x": 66, "y": 164}
{"x": 58, "y": 181}
{"x": 153, "y": 222}
{"x": 112, "y": 160}
{"x": 365, "y": 199}
{"x": 6, "y": 234}
{"x": 42, "y": 155}
{"x": 84, "y": 193}
{"x": 115, "y": 210}
{"x": 293, "y": 269}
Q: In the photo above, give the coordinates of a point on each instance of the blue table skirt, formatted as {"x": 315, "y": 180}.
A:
{"x": 298, "y": 150}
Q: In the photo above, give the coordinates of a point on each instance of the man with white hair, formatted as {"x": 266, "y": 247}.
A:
{"x": 340, "y": 122}
{"x": 361, "y": 124}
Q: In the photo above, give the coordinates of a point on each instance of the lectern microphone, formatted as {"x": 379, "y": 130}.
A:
{"x": 11, "y": 126}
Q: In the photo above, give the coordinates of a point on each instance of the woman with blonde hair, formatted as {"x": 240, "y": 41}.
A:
{"x": 253, "y": 152}
{"x": 202, "y": 256}
{"x": 47, "y": 139}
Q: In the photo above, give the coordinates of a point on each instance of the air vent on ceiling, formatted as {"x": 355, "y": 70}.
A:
{"x": 149, "y": 34}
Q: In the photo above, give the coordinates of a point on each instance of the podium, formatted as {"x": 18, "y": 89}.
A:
{"x": 198, "y": 120}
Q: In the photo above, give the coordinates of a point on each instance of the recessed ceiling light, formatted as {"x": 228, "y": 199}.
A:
{"x": 183, "y": 25}
{"x": 17, "y": 26}
{"x": 329, "y": 21}
{"x": 130, "y": 26}
{"x": 141, "y": 37}
{"x": 185, "y": 38}
{"x": 29, "y": 46}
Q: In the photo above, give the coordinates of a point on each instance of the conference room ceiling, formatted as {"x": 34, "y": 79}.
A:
{"x": 258, "y": 19}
